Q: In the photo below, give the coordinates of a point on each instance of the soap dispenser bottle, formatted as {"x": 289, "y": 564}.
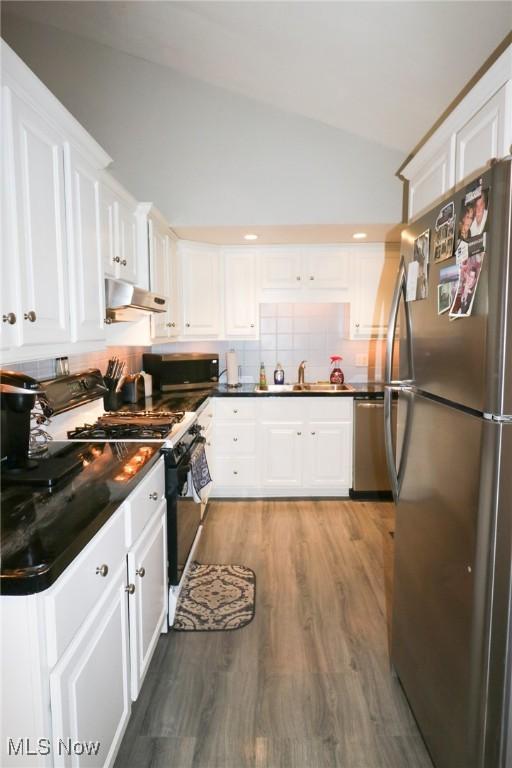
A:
{"x": 263, "y": 377}
{"x": 279, "y": 374}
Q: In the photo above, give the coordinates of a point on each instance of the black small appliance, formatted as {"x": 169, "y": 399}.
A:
{"x": 18, "y": 394}
{"x": 182, "y": 371}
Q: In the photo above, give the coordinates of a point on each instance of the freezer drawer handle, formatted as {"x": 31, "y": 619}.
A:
{"x": 388, "y": 439}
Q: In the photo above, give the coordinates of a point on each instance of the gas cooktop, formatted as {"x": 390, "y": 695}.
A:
{"x": 128, "y": 425}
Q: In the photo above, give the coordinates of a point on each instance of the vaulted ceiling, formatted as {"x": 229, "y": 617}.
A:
{"x": 381, "y": 70}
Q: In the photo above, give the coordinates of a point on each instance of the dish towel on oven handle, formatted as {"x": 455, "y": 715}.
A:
{"x": 200, "y": 474}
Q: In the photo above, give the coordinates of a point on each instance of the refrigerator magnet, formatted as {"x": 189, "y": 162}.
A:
{"x": 469, "y": 276}
{"x": 421, "y": 258}
{"x": 444, "y": 233}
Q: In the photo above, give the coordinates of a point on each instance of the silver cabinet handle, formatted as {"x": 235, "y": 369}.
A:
{"x": 235, "y": 472}
{"x": 153, "y": 496}
{"x": 299, "y": 433}
{"x": 187, "y": 325}
{"x": 298, "y": 277}
{"x": 124, "y": 263}
{"x": 140, "y": 572}
{"x": 171, "y": 325}
{"x": 102, "y": 570}
{"x": 30, "y": 316}
{"x": 357, "y": 325}
{"x": 117, "y": 259}
{"x": 130, "y": 588}
{"x": 313, "y": 433}
{"x": 252, "y": 325}
{"x": 208, "y": 444}
{"x": 235, "y": 439}
{"x": 235, "y": 410}
{"x": 311, "y": 277}
{"x": 9, "y": 318}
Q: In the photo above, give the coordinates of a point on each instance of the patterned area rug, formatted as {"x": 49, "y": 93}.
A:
{"x": 216, "y": 598}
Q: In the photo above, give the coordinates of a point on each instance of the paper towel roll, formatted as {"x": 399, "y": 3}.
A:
{"x": 232, "y": 368}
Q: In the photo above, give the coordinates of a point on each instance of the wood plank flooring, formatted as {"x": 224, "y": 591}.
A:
{"x": 307, "y": 683}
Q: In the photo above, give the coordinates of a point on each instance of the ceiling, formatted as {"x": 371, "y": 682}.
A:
{"x": 382, "y": 70}
{"x": 297, "y": 234}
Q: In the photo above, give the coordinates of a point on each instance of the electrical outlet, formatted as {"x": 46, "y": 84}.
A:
{"x": 362, "y": 361}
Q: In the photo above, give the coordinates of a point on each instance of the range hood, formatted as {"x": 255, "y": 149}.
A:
{"x": 125, "y": 302}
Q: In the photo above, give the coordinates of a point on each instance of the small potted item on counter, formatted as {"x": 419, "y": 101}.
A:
{"x": 336, "y": 376}
{"x": 263, "y": 377}
{"x": 279, "y": 374}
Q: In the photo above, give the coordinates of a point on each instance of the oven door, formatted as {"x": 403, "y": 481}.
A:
{"x": 184, "y": 519}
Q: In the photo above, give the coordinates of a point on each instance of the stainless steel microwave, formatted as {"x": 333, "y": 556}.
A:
{"x": 182, "y": 371}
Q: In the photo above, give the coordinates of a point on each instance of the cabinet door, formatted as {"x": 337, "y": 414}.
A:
{"x": 282, "y": 445}
{"x": 147, "y": 571}
{"x": 9, "y": 284}
{"x": 126, "y": 231}
{"x": 159, "y": 275}
{"x": 107, "y": 223}
{"x": 242, "y": 308}
{"x": 89, "y": 687}
{"x": 327, "y": 268}
{"x": 281, "y": 269}
{"x": 483, "y": 137}
{"x": 85, "y": 265}
{"x": 374, "y": 280}
{"x": 433, "y": 179}
{"x": 38, "y": 167}
{"x": 201, "y": 284}
{"x": 328, "y": 455}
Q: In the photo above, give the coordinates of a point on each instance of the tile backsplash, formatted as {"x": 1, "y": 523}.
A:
{"x": 290, "y": 333}
{"x": 45, "y": 369}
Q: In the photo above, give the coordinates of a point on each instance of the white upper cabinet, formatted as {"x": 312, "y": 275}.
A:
{"x": 281, "y": 269}
{"x": 163, "y": 272}
{"x": 38, "y": 190}
{"x": 201, "y": 283}
{"x": 85, "y": 264}
{"x": 52, "y": 286}
{"x": 484, "y": 136}
{"x": 478, "y": 129}
{"x": 375, "y": 269}
{"x": 433, "y": 179}
{"x": 241, "y": 293}
{"x": 304, "y": 269}
{"x": 118, "y": 220}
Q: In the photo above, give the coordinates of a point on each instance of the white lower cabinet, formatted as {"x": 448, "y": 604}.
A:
{"x": 89, "y": 687}
{"x": 81, "y": 648}
{"x": 282, "y": 446}
{"x": 147, "y": 573}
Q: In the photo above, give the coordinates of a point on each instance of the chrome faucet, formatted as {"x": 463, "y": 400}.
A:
{"x": 300, "y": 372}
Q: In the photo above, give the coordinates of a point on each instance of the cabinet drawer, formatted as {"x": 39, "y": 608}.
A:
{"x": 331, "y": 408}
{"x": 70, "y": 601}
{"x": 236, "y": 471}
{"x": 235, "y": 439}
{"x": 282, "y": 408}
{"x": 235, "y": 408}
{"x": 144, "y": 502}
{"x": 205, "y": 418}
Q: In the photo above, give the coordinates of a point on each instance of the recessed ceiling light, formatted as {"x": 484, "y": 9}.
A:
{"x": 250, "y": 236}
{"x": 359, "y": 235}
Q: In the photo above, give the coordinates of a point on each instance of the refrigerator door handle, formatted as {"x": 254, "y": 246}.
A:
{"x": 399, "y": 292}
{"x": 388, "y": 441}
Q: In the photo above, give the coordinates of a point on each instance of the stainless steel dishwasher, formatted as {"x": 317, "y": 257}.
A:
{"x": 369, "y": 474}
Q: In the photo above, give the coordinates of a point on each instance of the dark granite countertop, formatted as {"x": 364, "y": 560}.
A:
{"x": 192, "y": 400}
{"x": 43, "y": 530}
{"x": 373, "y": 389}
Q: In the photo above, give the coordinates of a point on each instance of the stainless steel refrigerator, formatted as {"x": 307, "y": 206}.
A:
{"x": 451, "y": 473}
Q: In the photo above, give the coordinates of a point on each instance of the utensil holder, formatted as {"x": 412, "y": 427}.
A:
{"x": 112, "y": 400}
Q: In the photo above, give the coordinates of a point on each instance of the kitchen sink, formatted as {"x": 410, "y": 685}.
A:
{"x": 291, "y": 388}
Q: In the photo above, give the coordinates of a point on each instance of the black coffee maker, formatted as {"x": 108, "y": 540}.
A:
{"x": 17, "y": 398}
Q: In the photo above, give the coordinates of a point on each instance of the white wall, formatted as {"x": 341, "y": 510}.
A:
{"x": 206, "y": 156}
